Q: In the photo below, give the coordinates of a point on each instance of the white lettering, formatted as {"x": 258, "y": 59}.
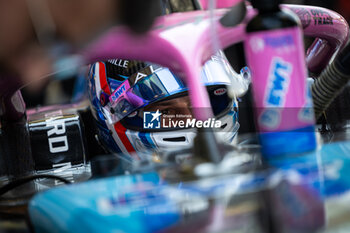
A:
{"x": 210, "y": 123}
{"x": 206, "y": 124}
{"x": 217, "y": 124}
{"x": 149, "y": 126}
{"x": 58, "y": 141}
{"x": 139, "y": 77}
{"x": 126, "y": 63}
{"x": 59, "y": 127}
{"x": 174, "y": 123}
{"x": 191, "y": 123}
{"x": 181, "y": 124}
{"x": 119, "y": 62}
{"x": 164, "y": 124}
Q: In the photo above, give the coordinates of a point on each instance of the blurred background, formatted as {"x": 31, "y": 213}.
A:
{"x": 70, "y": 89}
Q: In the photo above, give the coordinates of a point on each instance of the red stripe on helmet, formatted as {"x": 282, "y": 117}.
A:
{"x": 120, "y": 129}
{"x": 103, "y": 78}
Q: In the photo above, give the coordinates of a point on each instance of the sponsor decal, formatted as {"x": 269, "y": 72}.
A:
{"x": 305, "y": 16}
{"x": 279, "y": 41}
{"x": 279, "y": 78}
{"x": 120, "y": 63}
{"x": 220, "y": 91}
{"x": 57, "y": 137}
{"x": 118, "y": 92}
{"x": 321, "y": 17}
{"x": 259, "y": 44}
{"x": 141, "y": 75}
{"x": 276, "y": 91}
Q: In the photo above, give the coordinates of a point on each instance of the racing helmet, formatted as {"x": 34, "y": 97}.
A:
{"x": 139, "y": 106}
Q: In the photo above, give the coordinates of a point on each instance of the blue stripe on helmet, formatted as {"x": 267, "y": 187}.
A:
{"x": 106, "y": 138}
{"x": 146, "y": 140}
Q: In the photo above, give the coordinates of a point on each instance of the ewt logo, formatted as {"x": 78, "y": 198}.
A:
{"x": 118, "y": 92}
{"x": 279, "y": 78}
{"x": 151, "y": 120}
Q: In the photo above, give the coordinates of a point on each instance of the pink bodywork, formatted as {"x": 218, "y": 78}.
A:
{"x": 183, "y": 42}
{"x": 219, "y": 3}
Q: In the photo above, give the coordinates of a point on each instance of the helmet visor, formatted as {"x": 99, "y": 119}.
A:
{"x": 142, "y": 90}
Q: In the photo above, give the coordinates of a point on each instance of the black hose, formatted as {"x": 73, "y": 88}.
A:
{"x": 20, "y": 181}
{"x": 331, "y": 82}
